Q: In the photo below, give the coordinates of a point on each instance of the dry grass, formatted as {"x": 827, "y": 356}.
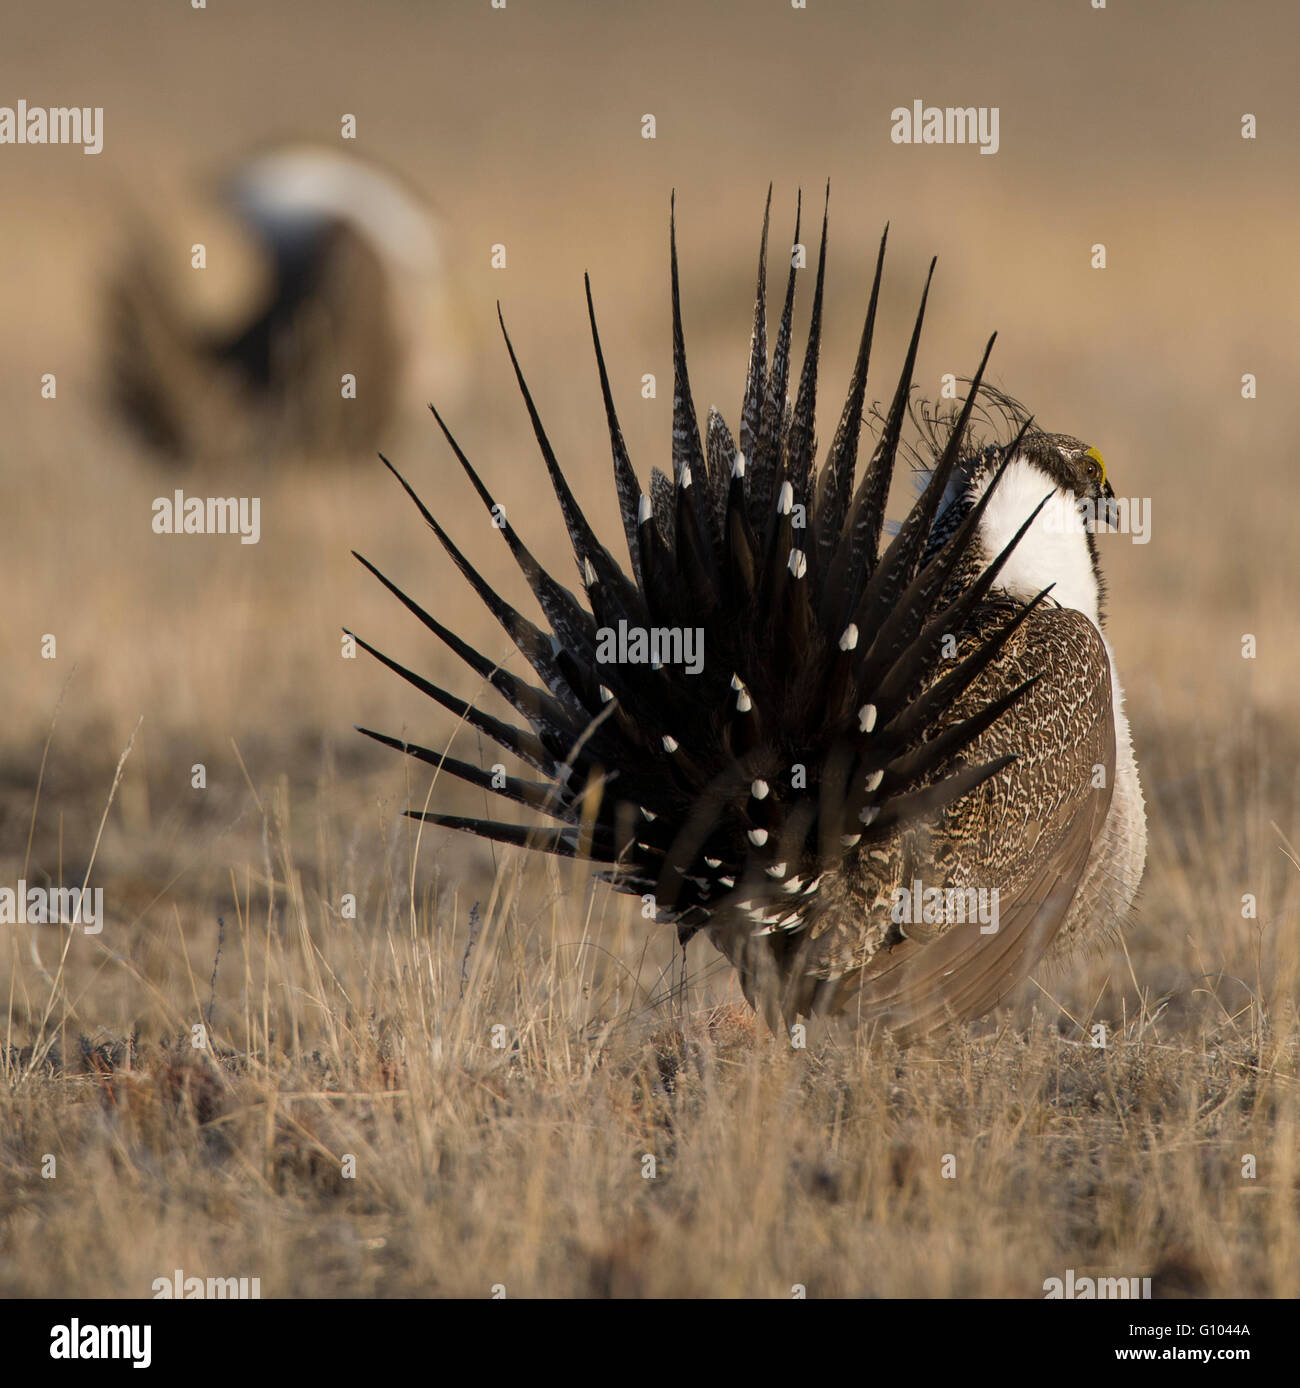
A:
{"x": 327, "y": 1036}
{"x": 499, "y": 1071}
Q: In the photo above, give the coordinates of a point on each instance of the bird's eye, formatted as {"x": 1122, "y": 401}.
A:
{"x": 1095, "y": 466}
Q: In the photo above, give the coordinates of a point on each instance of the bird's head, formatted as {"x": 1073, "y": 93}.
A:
{"x": 1073, "y": 465}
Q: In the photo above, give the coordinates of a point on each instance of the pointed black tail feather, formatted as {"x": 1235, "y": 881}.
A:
{"x": 625, "y": 483}
{"x": 764, "y": 464}
{"x": 802, "y": 440}
{"x": 532, "y": 643}
{"x": 571, "y": 624}
{"x": 721, "y": 450}
{"x": 751, "y": 410}
{"x": 687, "y": 450}
{"x": 524, "y": 745}
{"x": 595, "y": 563}
{"x": 563, "y": 843}
{"x": 757, "y": 700}
{"x": 835, "y": 481}
{"x": 906, "y": 725}
{"x": 543, "y": 796}
{"x": 897, "y": 567}
{"x": 855, "y": 557}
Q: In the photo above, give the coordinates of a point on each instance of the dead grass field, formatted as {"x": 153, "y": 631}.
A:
{"x": 522, "y": 1165}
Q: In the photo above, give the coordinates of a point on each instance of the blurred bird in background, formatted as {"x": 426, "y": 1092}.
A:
{"x": 350, "y": 306}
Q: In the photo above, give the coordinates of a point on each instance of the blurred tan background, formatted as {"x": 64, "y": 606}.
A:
{"x": 523, "y": 127}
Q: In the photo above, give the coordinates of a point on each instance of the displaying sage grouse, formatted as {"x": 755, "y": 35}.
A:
{"x": 350, "y": 287}
{"x": 788, "y": 731}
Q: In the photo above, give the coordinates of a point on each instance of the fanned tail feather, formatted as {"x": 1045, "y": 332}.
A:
{"x": 819, "y": 649}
